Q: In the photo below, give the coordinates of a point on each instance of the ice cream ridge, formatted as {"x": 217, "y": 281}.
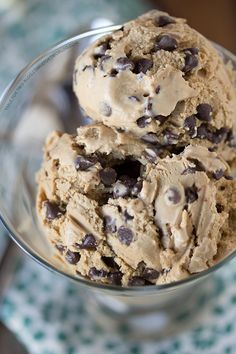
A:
{"x": 144, "y": 194}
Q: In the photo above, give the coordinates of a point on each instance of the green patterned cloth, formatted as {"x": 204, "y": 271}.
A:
{"x": 50, "y": 324}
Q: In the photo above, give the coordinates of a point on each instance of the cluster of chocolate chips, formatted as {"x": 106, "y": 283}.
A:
{"x": 113, "y": 276}
{"x": 124, "y": 233}
{"x": 144, "y": 276}
{"x": 89, "y": 243}
{"x": 204, "y": 130}
{"x": 173, "y": 196}
{"x": 169, "y": 43}
{"x": 204, "y": 114}
{"x": 123, "y": 179}
{"x": 199, "y": 167}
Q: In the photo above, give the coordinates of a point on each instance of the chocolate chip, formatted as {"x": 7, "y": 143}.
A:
{"x": 163, "y": 21}
{"x": 229, "y": 178}
{"x": 204, "y": 112}
{"x": 115, "y": 277}
{"x": 190, "y": 126}
{"x": 219, "y": 135}
{"x": 53, "y": 210}
{"x": 150, "y": 138}
{"x": 109, "y": 262}
{"x": 219, "y": 208}
{"x": 113, "y": 72}
{"x": 87, "y": 67}
{"x": 128, "y": 216}
{"x": 158, "y": 89}
{"x": 151, "y": 153}
{"x": 189, "y": 170}
{"x": 137, "y": 188}
{"x": 120, "y": 190}
{"x": 170, "y": 137}
{"x": 83, "y": 163}
{"x": 124, "y": 63}
{"x": 108, "y": 176}
{"x": 192, "y": 169}
{"x": 143, "y": 121}
{"x": 128, "y": 181}
{"x": 105, "y": 109}
{"x": 134, "y": 98}
{"x": 72, "y": 257}
{"x": 172, "y": 195}
{"x": 60, "y": 248}
{"x": 166, "y": 42}
{"x": 212, "y": 148}
{"x": 101, "y": 50}
{"x": 109, "y": 224}
{"x": 150, "y": 273}
{"x": 136, "y": 281}
{"x": 97, "y": 273}
{"x": 191, "y": 194}
{"x": 192, "y": 50}
{"x": 198, "y": 164}
{"x": 190, "y": 62}
{"x": 142, "y": 65}
{"x": 125, "y": 235}
{"x": 103, "y": 59}
{"x": 203, "y": 132}
{"x": 161, "y": 119}
{"x": 218, "y": 174}
{"x": 88, "y": 243}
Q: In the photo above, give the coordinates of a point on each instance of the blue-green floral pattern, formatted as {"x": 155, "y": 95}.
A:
{"x": 48, "y": 323}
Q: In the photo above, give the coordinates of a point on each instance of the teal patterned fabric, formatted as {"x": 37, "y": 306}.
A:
{"x": 33, "y": 25}
{"x": 52, "y": 324}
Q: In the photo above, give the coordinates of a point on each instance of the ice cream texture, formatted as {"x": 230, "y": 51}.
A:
{"x": 118, "y": 218}
{"x": 161, "y": 80}
{"x": 144, "y": 195}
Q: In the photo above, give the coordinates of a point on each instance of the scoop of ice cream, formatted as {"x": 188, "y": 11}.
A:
{"x": 162, "y": 81}
{"x": 117, "y": 218}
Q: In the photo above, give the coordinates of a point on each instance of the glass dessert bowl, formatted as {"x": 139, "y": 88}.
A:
{"x": 38, "y": 101}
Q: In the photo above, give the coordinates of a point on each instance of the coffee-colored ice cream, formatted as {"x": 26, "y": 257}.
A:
{"x": 144, "y": 195}
{"x": 162, "y": 81}
{"x": 117, "y": 218}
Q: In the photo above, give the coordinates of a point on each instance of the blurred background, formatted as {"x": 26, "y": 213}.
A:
{"x": 27, "y": 27}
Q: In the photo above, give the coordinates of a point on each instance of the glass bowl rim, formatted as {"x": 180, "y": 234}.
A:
{"x": 7, "y": 95}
